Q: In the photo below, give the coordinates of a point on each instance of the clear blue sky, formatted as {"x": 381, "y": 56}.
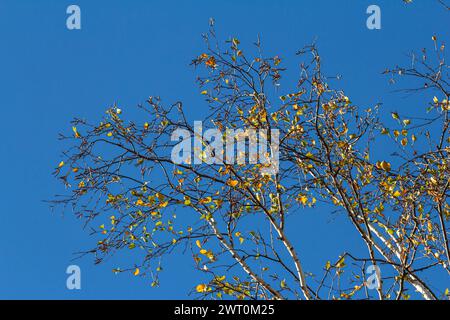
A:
{"x": 128, "y": 50}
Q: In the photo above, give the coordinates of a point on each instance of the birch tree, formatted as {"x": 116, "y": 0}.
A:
{"x": 122, "y": 180}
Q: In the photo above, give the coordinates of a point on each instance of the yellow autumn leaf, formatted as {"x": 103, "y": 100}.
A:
{"x": 220, "y": 278}
{"x": 205, "y": 200}
{"x": 397, "y": 194}
{"x": 340, "y": 263}
{"x": 198, "y": 243}
{"x": 232, "y": 183}
{"x": 136, "y": 272}
{"x": 211, "y": 62}
{"x": 204, "y": 92}
{"x": 60, "y": 164}
{"x": 201, "y": 287}
{"x": 218, "y": 202}
{"x": 404, "y": 142}
{"x": 274, "y": 117}
{"x": 164, "y": 204}
{"x": 303, "y": 199}
{"x": 75, "y": 131}
{"x": 386, "y": 166}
